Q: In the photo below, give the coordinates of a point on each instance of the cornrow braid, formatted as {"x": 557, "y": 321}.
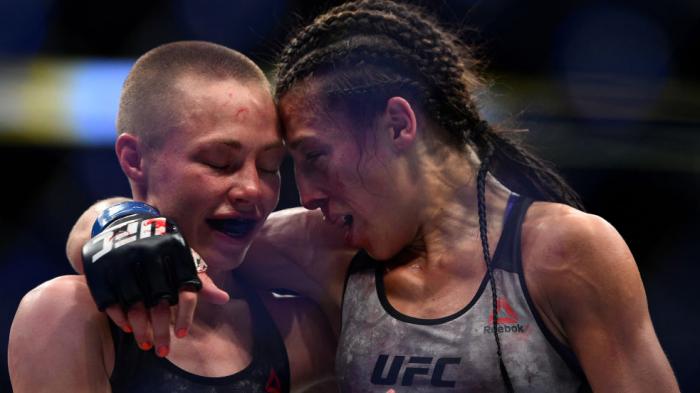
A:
{"x": 323, "y": 25}
{"x": 367, "y": 50}
{"x": 520, "y": 167}
{"x": 371, "y": 22}
{"x": 483, "y": 233}
{"x": 434, "y": 59}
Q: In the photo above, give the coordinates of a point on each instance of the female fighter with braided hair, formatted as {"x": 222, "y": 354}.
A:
{"x": 378, "y": 106}
{"x": 478, "y": 271}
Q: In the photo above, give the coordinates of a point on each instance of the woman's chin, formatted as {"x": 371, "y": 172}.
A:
{"x": 224, "y": 258}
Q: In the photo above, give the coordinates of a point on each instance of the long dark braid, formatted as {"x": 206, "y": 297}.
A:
{"x": 483, "y": 233}
{"x": 361, "y": 53}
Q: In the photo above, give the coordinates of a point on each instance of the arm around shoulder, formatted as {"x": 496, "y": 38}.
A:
{"x": 59, "y": 340}
{"x": 82, "y": 229}
{"x": 593, "y": 292}
{"x": 297, "y": 250}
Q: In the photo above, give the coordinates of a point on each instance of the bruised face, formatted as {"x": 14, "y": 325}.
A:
{"x": 353, "y": 175}
{"x": 216, "y": 174}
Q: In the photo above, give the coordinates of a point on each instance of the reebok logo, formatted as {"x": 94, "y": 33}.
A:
{"x": 507, "y": 319}
{"x": 517, "y": 328}
{"x": 505, "y": 313}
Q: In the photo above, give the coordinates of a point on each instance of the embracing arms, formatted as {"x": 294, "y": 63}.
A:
{"x": 295, "y": 250}
{"x": 80, "y": 233}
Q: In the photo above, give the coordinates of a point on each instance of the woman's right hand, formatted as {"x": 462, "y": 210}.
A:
{"x": 123, "y": 278}
{"x": 151, "y": 326}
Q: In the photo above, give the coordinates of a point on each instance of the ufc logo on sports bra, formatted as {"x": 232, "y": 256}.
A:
{"x": 416, "y": 367}
{"x": 127, "y": 232}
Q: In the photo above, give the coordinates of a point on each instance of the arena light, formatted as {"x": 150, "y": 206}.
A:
{"x": 50, "y": 101}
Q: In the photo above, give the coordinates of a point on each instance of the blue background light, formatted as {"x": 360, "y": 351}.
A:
{"x": 93, "y": 99}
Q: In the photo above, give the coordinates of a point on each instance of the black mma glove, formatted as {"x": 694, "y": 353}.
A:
{"x": 137, "y": 255}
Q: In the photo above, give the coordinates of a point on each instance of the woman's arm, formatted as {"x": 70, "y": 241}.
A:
{"x": 59, "y": 342}
{"x": 297, "y": 250}
{"x": 585, "y": 281}
{"x": 82, "y": 229}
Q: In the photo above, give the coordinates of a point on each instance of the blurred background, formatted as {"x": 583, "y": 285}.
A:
{"x": 609, "y": 91}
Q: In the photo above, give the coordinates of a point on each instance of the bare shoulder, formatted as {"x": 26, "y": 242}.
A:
{"x": 558, "y": 234}
{"x": 585, "y": 284}
{"x": 54, "y": 313}
{"x": 308, "y": 338}
{"x": 56, "y": 299}
{"x": 578, "y": 261}
{"x": 58, "y": 327}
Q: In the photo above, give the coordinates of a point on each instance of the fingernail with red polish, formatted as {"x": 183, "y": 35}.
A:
{"x": 127, "y": 328}
{"x": 181, "y": 332}
{"x": 145, "y": 345}
{"x": 162, "y": 351}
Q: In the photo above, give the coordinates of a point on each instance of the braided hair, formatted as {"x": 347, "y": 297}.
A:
{"x": 361, "y": 53}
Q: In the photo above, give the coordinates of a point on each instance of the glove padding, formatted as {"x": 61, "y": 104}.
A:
{"x": 139, "y": 258}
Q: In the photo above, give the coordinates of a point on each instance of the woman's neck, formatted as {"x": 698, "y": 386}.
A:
{"x": 450, "y": 219}
{"x": 213, "y": 314}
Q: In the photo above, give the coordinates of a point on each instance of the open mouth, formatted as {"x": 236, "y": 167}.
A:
{"x": 234, "y": 227}
{"x": 347, "y": 220}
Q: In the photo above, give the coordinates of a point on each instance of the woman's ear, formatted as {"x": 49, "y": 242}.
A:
{"x": 130, "y": 156}
{"x": 402, "y": 122}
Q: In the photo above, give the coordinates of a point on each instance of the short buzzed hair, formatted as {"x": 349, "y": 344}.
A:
{"x": 149, "y": 95}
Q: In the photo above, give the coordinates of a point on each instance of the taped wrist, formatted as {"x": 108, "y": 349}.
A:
{"x": 137, "y": 256}
{"x": 120, "y": 210}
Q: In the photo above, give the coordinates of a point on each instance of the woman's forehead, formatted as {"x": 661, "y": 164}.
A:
{"x": 302, "y": 111}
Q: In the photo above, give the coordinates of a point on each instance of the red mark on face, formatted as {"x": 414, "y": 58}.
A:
{"x": 241, "y": 111}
